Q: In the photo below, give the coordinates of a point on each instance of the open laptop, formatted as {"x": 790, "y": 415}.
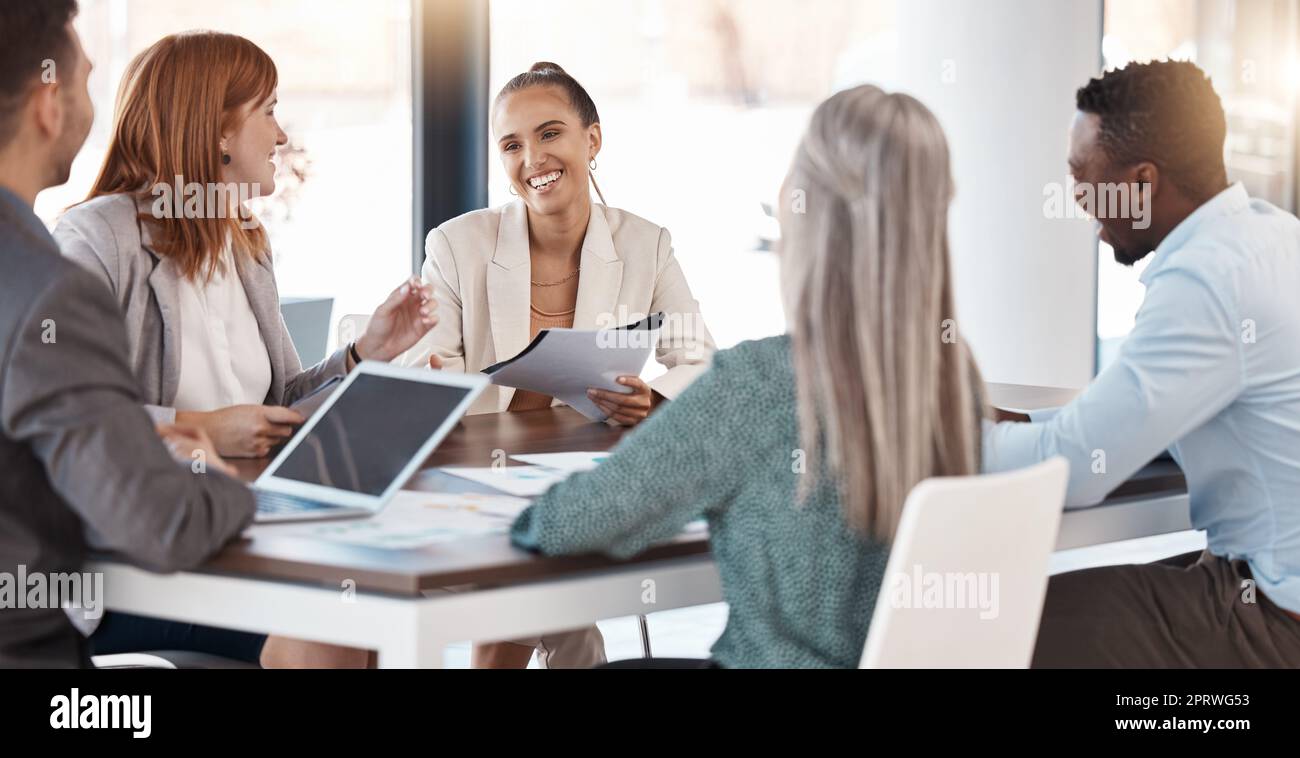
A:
{"x": 364, "y": 442}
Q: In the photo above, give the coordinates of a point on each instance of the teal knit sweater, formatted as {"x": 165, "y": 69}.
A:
{"x": 800, "y": 585}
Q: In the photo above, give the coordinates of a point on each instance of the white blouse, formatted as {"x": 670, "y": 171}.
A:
{"x": 223, "y": 356}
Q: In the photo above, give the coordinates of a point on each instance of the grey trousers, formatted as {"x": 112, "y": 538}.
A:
{"x": 1196, "y": 610}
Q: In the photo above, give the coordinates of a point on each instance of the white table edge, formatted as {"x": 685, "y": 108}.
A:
{"x": 412, "y": 632}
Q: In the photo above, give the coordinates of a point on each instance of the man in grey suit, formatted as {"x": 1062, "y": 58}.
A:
{"x": 81, "y": 465}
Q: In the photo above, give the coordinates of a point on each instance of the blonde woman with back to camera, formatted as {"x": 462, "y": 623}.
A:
{"x": 862, "y": 384}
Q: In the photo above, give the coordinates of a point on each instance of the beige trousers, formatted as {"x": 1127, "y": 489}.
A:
{"x": 574, "y": 649}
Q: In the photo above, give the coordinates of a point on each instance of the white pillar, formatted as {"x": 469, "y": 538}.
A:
{"x": 1001, "y": 76}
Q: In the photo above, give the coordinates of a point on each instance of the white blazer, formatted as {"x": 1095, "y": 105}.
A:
{"x": 479, "y": 267}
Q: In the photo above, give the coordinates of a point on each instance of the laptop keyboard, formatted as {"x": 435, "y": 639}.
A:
{"x": 279, "y": 503}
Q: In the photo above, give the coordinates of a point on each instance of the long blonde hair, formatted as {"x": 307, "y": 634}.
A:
{"x": 886, "y": 392}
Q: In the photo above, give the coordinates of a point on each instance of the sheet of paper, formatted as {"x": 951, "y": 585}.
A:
{"x": 567, "y": 462}
{"x": 412, "y": 520}
{"x": 522, "y": 481}
{"x": 564, "y": 363}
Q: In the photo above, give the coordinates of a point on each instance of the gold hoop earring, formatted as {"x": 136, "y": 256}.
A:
{"x": 592, "y": 164}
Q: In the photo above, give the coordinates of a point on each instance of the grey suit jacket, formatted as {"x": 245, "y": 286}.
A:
{"x": 80, "y": 464}
{"x": 108, "y": 238}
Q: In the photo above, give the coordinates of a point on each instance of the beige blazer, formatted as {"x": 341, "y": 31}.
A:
{"x": 107, "y": 238}
{"x": 480, "y": 269}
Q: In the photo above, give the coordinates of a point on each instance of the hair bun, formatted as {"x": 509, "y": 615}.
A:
{"x": 545, "y": 66}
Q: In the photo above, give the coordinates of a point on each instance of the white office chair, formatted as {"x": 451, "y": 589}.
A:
{"x": 350, "y": 327}
{"x": 167, "y": 659}
{"x": 977, "y": 547}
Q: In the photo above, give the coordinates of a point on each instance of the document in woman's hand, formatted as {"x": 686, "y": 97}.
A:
{"x": 564, "y": 363}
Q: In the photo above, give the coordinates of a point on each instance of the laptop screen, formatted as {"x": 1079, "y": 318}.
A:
{"x": 370, "y": 433}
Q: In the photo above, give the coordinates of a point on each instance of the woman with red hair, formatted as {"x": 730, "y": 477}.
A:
{"x": 167, "y": 229}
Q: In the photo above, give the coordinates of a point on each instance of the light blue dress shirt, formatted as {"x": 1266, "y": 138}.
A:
{"x": 1211, "y": 372}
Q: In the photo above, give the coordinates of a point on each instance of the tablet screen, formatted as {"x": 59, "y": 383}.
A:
{"x": 370, "y": 433}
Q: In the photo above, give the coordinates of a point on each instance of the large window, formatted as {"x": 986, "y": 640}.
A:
{"x": 702, "y": 103}
{"x": 1248, "y": 48}
{"x": 342, "y": 230}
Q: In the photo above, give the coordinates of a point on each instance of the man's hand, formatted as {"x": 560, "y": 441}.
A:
{"x": 184, "y": 441}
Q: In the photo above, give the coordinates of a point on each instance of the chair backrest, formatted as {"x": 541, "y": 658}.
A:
{"x": 130, "y": 661}
{"x": 352, "y": 326}
{"x": 308, "y": 321}
{"x": 967, "y": 573}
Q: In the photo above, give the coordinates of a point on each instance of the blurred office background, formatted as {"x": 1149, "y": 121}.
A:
{"x": 702, "y": 104}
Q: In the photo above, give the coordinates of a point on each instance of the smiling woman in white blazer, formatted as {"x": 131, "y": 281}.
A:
{"x": 553, "y": 258}
{"x": 478, "y": 265}
{"x": 490, "y": 268}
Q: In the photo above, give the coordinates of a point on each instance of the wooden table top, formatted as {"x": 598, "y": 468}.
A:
{"x": 490, "y": 560}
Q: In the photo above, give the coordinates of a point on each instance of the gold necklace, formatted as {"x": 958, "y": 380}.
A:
{"x": 558, "y": 281}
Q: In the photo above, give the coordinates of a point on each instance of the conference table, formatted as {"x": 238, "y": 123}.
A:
{"x": 409, "y": 604}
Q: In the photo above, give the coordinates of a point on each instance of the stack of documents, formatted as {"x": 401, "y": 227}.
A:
{"x": 545, "y": 469}
{"x": 412, "y": 520}
{"x": 520, "y": 481}
{"x": 566, "y": 462}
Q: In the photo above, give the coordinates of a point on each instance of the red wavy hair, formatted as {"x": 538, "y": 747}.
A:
{"x": 176, "y": 100}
